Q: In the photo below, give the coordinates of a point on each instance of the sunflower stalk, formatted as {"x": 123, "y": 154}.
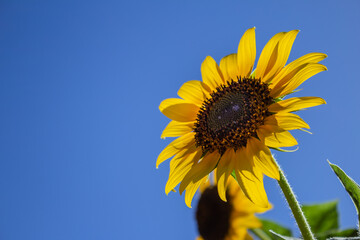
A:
{"x": 295, "y": 206}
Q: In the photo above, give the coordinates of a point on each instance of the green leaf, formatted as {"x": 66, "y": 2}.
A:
{"x": 350, "y": 185}
{"x": 337, "y": 233}
{"x": 279, "y": 236}
{"x": 322, "y": 217}
{"x": 268, "y": 225}
{"x": 344, "y": 238}
{"x": 352, "y": 232}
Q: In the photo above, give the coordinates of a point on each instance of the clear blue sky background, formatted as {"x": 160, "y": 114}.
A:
{"x": 80, "y": 86}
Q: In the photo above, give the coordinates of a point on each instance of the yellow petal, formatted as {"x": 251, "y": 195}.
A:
{"x": 179, "y": 157}
{"x": 223, "y": 171}
{"x": 229, "y": 67}
{"x": 194, "y": 91}
{"x": 175, "y": 147}
{"x": 244, "y": 206}
{"x": 175, "y": 129}
{"x": 246, "y": 53}
{"x": 250, "y": 179}
{"x": 211, "y": 73}
{"x": 179, "y": 110}
{"x": 308, "y": 71}
{"x": 295, "y": 66}
{"x": 247, "y": 221}
{"x": 237, "y": 233}
{"x": 180, "y": 167}
{"x": 191, "y": 190}
{"x": 285, "y": 45}
{"x": 268, "y": 56}
{"x": 276, "y": 139}
{"x": 248, "y": 236}
{"x": 204, "y": 186}
{"x": 233, "y": 186}
{"x": 286, "y": 121}
{"x": 263, "y": 158}
{"x": 200, "y": 170}
{"x": 295, "y": 104}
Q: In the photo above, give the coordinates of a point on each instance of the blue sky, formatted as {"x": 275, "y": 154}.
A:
{"x": 80, "y": 86}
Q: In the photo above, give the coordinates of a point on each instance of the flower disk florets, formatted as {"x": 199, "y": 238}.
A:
{"x": 232, "y": 115}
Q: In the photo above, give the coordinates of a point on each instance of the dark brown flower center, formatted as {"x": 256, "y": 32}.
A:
{"x": 232, "y": 114}
{"x": 213, "y": 215}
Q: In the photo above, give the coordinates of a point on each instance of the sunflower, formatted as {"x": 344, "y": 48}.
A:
{"x": 219, "y": 220}
{"x": 228, "y": 121}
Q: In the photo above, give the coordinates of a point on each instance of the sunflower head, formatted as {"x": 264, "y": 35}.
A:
{"x": 213, "y": 215}
{"x": 232, "y": 114}
{"x": 228, "y": 122}
{"x": 219, "y": 220}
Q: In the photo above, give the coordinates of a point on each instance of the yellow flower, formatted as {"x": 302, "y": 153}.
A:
{"x": 229, "y": 220}
{"x": 228, "y": 121}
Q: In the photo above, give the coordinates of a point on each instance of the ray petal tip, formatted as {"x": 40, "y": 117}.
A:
{"x": 262, "y": 204}
{"x": 294, "y": 31}
{"x": 167, "y": 190}
{"x": 188, "y": 202}
{"x": 157, "y": 164}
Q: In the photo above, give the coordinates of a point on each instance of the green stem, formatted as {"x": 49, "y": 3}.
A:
{"x": 295, "y": 207}
{"x": 260, "y": 234}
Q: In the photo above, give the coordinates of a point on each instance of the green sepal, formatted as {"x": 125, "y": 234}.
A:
{"x": 350, "y": 185}
{"x": 233, "y": 174}
{"x": 278, "y": 99}
{"x": 294, "y": 91}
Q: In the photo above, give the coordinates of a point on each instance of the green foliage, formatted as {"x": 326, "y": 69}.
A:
{"x": 347, "y": 233}
{"x": 350, "y": 185}
{"x": 268, "y": 225}
{"x": 323, "y": 219}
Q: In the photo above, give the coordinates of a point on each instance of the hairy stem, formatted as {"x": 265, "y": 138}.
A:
{"x": 295, "y": 207}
